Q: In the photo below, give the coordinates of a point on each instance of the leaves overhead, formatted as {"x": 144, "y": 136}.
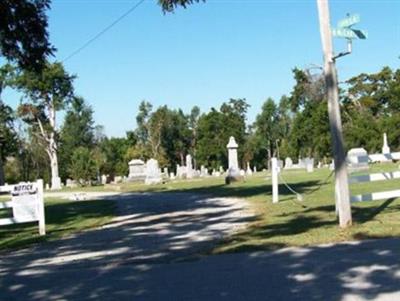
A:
{"x": 171, "y": 5}
{"x": 24, "y": 38}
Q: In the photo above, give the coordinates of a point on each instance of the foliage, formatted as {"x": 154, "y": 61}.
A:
{"x": 83, "y": 166}
{"x": 171, "y": 5}
{"x": 77, "y": 130}
{"x": 23, "y": 32}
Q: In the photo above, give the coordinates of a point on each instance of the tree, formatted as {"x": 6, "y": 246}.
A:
{"x": 114, "y": 150}
{"x": 23, "y": 32}
{"x": 215, "y": 128}
{"x": 310, "y": 135}
{"x": 46, "y": 93}
{"x": 267, "y": 129}
{"x": 171, "y": 5}
{"x": 83, "y": 166}
{"x": 77, "y": 130}
{"x": 8, "y": 137}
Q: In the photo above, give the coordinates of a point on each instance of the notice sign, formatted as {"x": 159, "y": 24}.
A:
{"x": 25, "y": 202}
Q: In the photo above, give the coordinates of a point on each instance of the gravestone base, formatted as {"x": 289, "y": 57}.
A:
{"x": 233, "y": 178}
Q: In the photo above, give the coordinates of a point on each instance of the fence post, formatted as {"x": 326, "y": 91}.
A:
{"x": 274, "y": 174}
{"x": 40, "y": 199}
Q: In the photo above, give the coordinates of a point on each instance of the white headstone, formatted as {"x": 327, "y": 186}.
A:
{"x": 189, "y": 167}
{"x": 137, "y": 170}
{"x": 153, "y": 174}
{"x": 233, "y": 166}
{"x": 309, "y": 164}
{"x": 288, "y": 163}
{"x": 385, "y": 147}
{"x": 55, "y": 183}
{"x": 104, "y": 179}
{"x": 249, "y": 172}
{"x": 357, "y": 160}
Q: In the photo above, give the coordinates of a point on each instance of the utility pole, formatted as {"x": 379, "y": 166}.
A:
{"x": 335, "y": 122}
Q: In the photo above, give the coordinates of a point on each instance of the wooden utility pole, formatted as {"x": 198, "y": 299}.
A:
{"x": 335, "y": 122}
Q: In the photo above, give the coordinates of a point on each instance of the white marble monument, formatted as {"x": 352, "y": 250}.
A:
{"x": 385, "y": 147}
{"x": 137, "y": 170}
{"x": 233, "y": 173}
{"x": 153, "y": 173}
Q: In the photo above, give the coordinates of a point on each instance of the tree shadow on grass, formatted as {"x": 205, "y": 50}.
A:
{"x": 61, "y": 218}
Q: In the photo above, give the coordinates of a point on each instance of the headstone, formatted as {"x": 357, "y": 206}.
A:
{"x": 172, "y": 176}
{"x": 242, "y": 173}
{"x": 302, "y": 163}
{"x": 288, "y": 163}
{"x": 117, "y": 179}
{"x": 255, "y": 169}
{"x": 47, "y": 186}
{"x": 309, "y": 164}
{"x": 319, "y": 165}
{"x": 70, "y": 183}
{"x": 165, "y": 172}
{"x": 137, "y": 170}
{"x": 233, "y": 166}
{"x": 385, "y": 147}
{"x": 153, "y": 174}
{"x": 357, "y": 160}
{"x": 249, "y": 172}
{"x": 55, "y": 183}
{"x": 203, "y": 171}
{"x": 332, "y": 165}
{"x": 221, "y": 170}
{"x": 189, "y": 167}
{"x": 280, "y": 164}
{"x": 103, "y": 179}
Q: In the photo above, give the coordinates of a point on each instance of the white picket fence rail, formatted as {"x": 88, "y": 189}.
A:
{"x": 384, "y": 176}
{"x": 26, "y": 203}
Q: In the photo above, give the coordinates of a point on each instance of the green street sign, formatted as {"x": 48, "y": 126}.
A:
{"x": 349, "y": 33}
{"x": 349, "y": 21}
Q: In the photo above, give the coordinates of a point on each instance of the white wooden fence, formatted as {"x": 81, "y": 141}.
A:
{"x": 27, "y": 204}
{"x": 384, "y": 176}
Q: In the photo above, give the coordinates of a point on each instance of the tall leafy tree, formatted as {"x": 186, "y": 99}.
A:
{"x": 267, "y": 129}
{"x": 77, "y": 131}
{"x": 45, "y": 94}
{"x": 8, "y": 137}
{"x": 23, "y": 32}
{"x": 215, "y": 128}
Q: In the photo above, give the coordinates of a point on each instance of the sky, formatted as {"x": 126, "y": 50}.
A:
{"x": 206, "y": 54}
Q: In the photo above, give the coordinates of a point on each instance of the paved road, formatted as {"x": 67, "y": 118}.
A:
{"x": 137, "y": 258}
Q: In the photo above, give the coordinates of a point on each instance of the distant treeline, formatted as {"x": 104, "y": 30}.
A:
{"x": 295, "y": 126}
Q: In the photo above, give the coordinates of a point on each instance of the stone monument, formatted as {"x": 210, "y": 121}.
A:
{"x": 153, "y": 173}
{"x": 189, "y": 167}
{"x": 385, "y": 147}
{"x": 357, "y": 160}
{"x": 233, "y": 173}
{"x": 137, "y": 170}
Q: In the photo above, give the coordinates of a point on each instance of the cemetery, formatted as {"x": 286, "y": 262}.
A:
{"x": 178, "y": 150}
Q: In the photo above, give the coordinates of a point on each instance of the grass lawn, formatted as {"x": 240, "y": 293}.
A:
{"x": 292, "y": 223}
{"x": 63, "y": 217}
{"x": 288, "y": 223}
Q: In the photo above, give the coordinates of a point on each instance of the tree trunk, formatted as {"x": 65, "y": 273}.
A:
{"x": 52, "y": 150}
{"x": 2, "y": 177}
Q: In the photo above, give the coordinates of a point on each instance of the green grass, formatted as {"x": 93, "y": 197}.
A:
{"x": 293, "y": 223}
{"x": 63, "y": 217}
{"x": 288, "y": 223}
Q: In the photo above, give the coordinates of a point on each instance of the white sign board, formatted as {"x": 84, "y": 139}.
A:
{"x": 26, "y": 203}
